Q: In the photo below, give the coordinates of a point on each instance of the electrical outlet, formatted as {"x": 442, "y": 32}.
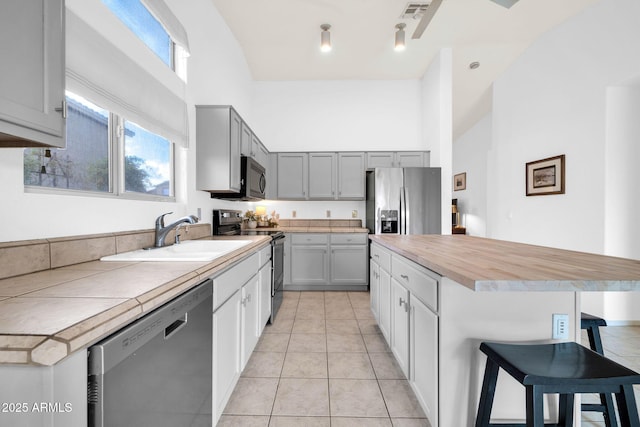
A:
{"x": 293, "y": 214}
{"x": 560, "y": 327}
{"x": 354, "y": 214}
{"x": 328, "y": 213}
{"x": 199, "y": 214}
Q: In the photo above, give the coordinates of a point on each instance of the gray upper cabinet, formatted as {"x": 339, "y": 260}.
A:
{"x": 32, "y": 70}
{"x": 410, "y": 159}
{"x": 381, "y": 159}
{"x": 261, "y": 154}
{"x": 322, "y": 176}
{"x": 251, "y": 146}
{"x": 397, "y": 159}
{"x": 218, "y": 142}
{"x": 351, "y": 174}
{"x": 293, "y": 173}
{"x": 246, "y": 141}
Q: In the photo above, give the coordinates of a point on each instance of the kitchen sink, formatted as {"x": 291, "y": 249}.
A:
{"x": 190, "y": 250}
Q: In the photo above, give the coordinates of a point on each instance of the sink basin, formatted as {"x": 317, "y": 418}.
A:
{"x": 191, "y": 250}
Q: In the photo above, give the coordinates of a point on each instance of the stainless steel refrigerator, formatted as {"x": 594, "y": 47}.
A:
{"x": 404, "y": 201}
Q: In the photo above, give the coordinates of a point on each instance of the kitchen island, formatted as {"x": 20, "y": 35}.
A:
{"x": 437, "y": 298}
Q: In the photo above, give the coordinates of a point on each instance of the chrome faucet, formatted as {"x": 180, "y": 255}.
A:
{"x": 162, "y": 231}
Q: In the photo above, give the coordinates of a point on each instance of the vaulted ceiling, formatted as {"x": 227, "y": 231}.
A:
{"x": 280, "y": 39}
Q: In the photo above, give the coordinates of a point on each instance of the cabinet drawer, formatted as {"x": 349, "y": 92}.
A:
{"x": 381, "y": 256}
{"x": 309, "y": 239}
{"x": 265, "y": 255}
{"x": 417, "y": 280}
{"x": 231, "y": 280}
{"x": 349, "y": 239}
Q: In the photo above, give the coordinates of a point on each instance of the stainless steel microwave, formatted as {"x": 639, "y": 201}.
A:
{"x": 253, "y": 182}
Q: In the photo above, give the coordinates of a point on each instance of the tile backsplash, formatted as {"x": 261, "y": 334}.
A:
{"x": 29, "y": 256}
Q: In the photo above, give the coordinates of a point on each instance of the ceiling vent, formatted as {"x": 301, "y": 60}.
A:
{"x": 415, "y": 10}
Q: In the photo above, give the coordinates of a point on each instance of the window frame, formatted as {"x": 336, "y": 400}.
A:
{"x": 116, "y": 153}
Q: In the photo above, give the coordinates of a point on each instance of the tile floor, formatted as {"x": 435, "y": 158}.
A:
{"x": 622, "y": 344}
{"x": 325, "y": 363}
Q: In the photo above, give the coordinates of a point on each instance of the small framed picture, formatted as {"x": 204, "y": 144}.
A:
{"x": 545, "y": 176}
{"x": 460, "y": 181}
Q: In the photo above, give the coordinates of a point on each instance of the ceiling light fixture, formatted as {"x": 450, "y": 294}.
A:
{"x": 400, "y": 45}
{"x": 325, "y": 38}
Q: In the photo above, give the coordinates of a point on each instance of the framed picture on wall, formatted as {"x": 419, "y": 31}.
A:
{"x": 460, "y": 181}
{"x": 545, "y": 176}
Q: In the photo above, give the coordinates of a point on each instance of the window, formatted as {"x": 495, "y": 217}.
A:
{"x": 144, "y": 25}
{"x": 85, "y": 162}
{"x": 145, "y": 160}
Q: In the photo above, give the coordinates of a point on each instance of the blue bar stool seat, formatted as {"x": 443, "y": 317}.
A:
{"x": 565, "y": 369}
{"x": 592, "y": 325}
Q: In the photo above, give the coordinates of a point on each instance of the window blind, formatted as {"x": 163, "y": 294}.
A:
{"x": 171, "y": 24}
{"x": 99, "y": 70}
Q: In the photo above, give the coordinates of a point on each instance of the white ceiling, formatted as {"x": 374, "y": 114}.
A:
{"x": 280, "y": 39}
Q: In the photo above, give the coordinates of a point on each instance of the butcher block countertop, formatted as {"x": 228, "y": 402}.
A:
{"x": 48, "y": 315}
{"x": 494, "y": 265}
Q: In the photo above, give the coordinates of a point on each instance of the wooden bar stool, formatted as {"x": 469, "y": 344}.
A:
{"x": 592, "y": 325}
{"x": 565, "y": 368}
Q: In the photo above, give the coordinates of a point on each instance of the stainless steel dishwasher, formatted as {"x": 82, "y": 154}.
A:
{"x": 156, "y": 371}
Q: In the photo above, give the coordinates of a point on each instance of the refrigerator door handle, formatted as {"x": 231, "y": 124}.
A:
{"x": 402, "y": 229}
{"x": 407, "y": 212}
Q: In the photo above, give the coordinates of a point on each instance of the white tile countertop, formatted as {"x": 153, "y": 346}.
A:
{"x": 48, "y": 315}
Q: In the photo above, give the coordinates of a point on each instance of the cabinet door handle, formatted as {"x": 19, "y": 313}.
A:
{"x": 405, "y": 277}
{"x": 62, "y": 109}
{"x": 376, "y": 256}
{"x": 406, "y": 306}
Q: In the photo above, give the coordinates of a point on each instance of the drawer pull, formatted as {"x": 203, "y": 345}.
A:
{"x": 405, "y": 277}
{"x": 376, "y": 256}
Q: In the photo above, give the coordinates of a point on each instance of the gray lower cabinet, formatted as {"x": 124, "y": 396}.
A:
{"x": 32, "y": 69}
{"x": 348, "y": 259}
{"x": 318, "y": 261}
{"x": 309, "y": 259}
{"x": 236, "y": 325}
{"x": 407, "y": 314}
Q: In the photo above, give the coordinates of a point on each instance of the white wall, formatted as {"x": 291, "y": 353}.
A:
{"x": 551, "y": 102}
{"x": 341, "y": 115}
{"x": 470, "y": 153}
{"x": 437, "y": 120}
{"x": 557, "y": 99}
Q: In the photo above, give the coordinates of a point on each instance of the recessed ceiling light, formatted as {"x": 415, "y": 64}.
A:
{"x": 474, "y": 65}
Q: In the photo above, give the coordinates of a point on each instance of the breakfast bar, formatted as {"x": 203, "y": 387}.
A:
{"x": 436, "y": 298}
